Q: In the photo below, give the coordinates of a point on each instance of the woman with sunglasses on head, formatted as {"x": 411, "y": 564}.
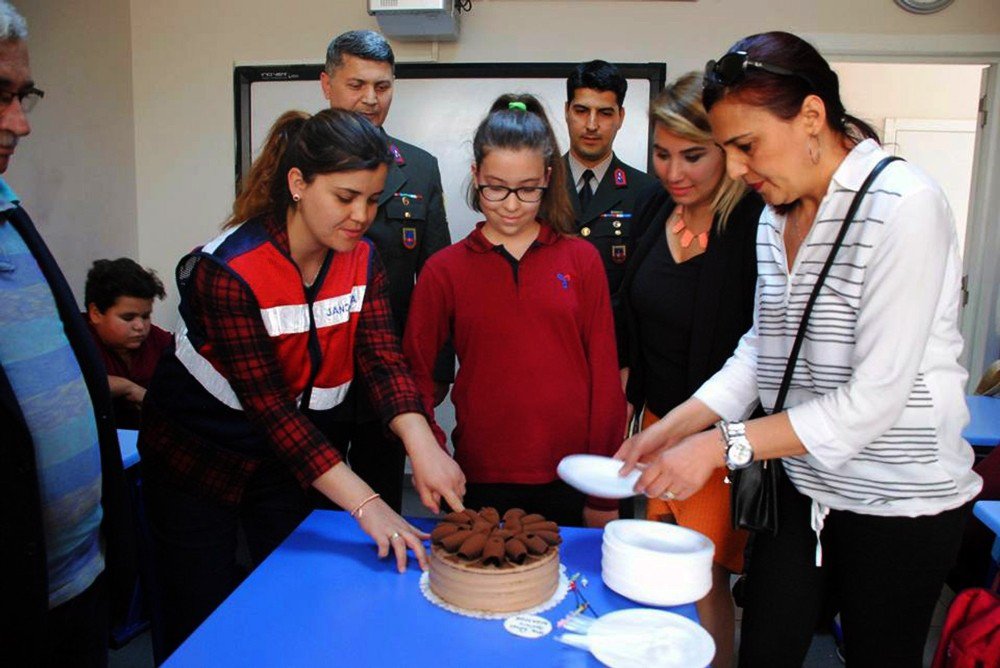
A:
{"x": 527, "y": 308}
{"x": 877, "y": 476}
{"x": 686, "y": 300}
{"x": 281, "y": 313}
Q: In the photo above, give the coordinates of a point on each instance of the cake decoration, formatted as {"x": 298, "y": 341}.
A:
{"x": 494, "y": 540}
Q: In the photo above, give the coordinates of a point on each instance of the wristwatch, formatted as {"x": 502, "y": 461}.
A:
{"x": 739, "y": 452}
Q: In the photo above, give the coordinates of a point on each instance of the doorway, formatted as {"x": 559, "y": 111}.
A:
{"x": 925, "y": 113}
{"x": 934, "y": 115}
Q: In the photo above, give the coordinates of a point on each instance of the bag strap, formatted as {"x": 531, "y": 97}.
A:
{"x": 786, "y": 380}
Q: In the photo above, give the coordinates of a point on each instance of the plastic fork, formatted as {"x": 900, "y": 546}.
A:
{"x": 578, "y": 624}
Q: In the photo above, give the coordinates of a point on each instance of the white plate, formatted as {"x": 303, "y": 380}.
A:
{"x": 597, "y": 476}
{"x": 644, "y": 638}
{"x": 655, "y": 592}
{"x": 657, "y": 538}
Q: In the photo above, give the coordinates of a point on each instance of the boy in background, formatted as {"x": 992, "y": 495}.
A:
{"x": 119, "y": 295}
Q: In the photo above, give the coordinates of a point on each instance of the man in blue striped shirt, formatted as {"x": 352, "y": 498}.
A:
{"x": 54, "y": 606}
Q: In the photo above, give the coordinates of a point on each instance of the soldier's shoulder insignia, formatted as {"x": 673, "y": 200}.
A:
{"x": 397, "y": 155}
{"x": 621, "y": 180}
{"x": 409, "y": 238}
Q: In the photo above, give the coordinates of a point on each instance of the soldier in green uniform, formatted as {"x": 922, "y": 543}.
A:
{"x": 409, "y": 227}
{"x": 602, "y": 188}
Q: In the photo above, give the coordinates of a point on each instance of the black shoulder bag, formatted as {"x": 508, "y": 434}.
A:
{"x": 754, "y": 491}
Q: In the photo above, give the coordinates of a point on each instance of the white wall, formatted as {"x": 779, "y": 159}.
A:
{"x": 876, "y": 91}
{"x": 76, "y": 172}
{"x": 183, "y": 52}
{"x": 943, "y": 98}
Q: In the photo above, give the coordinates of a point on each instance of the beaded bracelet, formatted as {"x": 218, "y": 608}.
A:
{"x": 356, "y": 513}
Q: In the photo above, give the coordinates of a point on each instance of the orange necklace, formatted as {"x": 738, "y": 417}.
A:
{"x": 686, "y": 235}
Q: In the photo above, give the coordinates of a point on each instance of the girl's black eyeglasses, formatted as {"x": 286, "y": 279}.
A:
{"x": 527, "y": 194}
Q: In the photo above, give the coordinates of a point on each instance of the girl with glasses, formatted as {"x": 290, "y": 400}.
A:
{"x": 686, "y": 300}
{"x": 528, "y": 311}
{"x": 877, "y": 479}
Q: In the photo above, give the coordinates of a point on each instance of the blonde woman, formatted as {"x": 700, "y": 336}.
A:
{"x": 686, "y": 300}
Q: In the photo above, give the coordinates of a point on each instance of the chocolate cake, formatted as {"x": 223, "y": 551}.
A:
{"x": 481, "y": 561}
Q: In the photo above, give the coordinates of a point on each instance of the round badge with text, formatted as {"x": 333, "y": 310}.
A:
{"x": 528, "y": 626}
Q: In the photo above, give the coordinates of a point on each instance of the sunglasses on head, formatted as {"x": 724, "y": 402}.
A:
{"x": 732, "y": 67}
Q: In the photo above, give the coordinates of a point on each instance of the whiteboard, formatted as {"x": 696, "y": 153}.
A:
{"x": 438, "y": 107}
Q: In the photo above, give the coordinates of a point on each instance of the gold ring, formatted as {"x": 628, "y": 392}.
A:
{"x": 669, "y": 496}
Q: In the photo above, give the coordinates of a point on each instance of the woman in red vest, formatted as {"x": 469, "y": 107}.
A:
{"x": 278, "y": 315}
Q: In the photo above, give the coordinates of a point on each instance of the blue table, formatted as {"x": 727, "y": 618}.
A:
{"x": 127, "y": 444}
{"x": 983, "y": 428}
{"x": 135, "y": 621}
{"x": 322, "y": 598}
{"x": 984, "y": 421}
{"x": 989, "y": 513}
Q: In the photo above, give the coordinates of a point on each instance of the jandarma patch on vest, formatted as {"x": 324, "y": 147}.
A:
{"x": 409, "y": 238}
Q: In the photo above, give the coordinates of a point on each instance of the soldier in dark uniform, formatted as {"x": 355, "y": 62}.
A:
{"x": 602, "y": 188}
{"x": 409, "y": 227}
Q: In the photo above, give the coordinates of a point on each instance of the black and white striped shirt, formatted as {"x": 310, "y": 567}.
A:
{"x": 877, "y": 397}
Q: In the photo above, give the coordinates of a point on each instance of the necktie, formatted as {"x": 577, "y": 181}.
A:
{"x": 586, "y": 193}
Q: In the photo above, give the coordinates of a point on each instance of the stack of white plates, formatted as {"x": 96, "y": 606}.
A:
{"x": 656, "y": 563}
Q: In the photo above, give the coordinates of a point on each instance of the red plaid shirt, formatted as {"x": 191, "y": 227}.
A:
{"x": 230, "y": 317}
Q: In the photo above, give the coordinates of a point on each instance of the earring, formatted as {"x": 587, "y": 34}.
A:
{"x": 296, "y": 197}
{"x": 813, "y": 149}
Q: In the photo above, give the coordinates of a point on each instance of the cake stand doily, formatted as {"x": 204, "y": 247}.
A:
{"x": 561, "y": 589}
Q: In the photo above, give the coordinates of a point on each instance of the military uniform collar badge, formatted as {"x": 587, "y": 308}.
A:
{"x": 397, "y": 155}
{"x": 621, "y": 181}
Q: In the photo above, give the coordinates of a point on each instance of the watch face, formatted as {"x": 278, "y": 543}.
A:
{"x": 923, "y": 6}
{"x": 739, "y": 454}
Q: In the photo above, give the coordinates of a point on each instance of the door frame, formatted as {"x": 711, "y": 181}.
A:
{"x": 980, "y": 317}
